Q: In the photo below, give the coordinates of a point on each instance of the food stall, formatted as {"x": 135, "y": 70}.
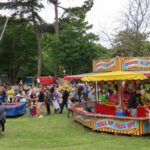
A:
{"x": 105, "y": 117}
{"x": 111, "y": 123}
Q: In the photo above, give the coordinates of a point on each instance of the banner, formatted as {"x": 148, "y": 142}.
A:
{"x": 104, "y": 65}
{"x": 115, "y": 124}
{"x": 136, "y": 63}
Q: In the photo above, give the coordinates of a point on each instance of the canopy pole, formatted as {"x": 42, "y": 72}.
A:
{"x": 96, "y": 92}
{"x": 120, "y": 93}
{"x": 4, "y": 28}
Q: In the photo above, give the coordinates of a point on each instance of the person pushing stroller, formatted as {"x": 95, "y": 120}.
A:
{"x": 3, "y": 110}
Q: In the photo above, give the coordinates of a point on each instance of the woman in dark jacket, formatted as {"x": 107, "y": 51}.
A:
{"x": 134, "y": 101}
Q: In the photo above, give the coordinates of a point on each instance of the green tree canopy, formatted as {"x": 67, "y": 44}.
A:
{"x": 75, "y": 48}
{"x": 129, "y": 44}
{"x": 18, "y": 52}
{"x": 28, "y": 9}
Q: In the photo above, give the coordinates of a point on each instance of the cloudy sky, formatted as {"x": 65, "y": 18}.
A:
{"x": 103, "y": 15}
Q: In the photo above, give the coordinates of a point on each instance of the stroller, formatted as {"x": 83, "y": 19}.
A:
{"x": 56, "y": 106}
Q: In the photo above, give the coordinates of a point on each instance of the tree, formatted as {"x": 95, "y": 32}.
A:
{"x": 18, "y": 52}
{"x": 28, "y": 9}
{"x": 76, "y": 48}
{"x": 56, "y": 23}
{"x": 50, "y": 59}
{"x": 126, "y": 43}
{"x": 87, "y": 6}
{"x": 136, "y": 21}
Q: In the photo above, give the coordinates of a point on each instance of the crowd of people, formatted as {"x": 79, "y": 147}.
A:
{"x": 132, "y": 94}
{"x": 40, "y": 99}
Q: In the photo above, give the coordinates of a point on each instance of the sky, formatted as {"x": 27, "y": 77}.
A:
{"x": 103, "y": 15}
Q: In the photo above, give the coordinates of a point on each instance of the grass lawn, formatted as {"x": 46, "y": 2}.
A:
{"x": 57, "y": 132}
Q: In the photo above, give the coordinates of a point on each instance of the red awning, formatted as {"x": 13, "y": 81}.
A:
{"x": 46, "y": 79}
{"x": 78, "y": 77}
{"x": 146, "y": 73}
{"x": 73, "y": 77}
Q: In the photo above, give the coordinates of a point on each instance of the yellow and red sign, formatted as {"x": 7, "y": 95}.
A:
{"x": 135, "y": 63}
{"x": 122, "y": 64}
{"x": 104, "y": 65}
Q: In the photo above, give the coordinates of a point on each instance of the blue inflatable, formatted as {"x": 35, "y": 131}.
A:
{"x": 15, "y": 109}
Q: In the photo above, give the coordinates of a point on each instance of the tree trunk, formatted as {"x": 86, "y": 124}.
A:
{"x": 39, "y": 54}
{"x": 39, "y": 67}
{"x": 56, "y": 32}
{"x": 56, "y": 18}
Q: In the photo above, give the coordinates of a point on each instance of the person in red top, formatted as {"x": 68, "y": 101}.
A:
{"x": 114, "y": 97}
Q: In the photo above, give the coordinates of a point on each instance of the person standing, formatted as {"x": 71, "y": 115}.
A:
{"x": 33, "y": 99}
{"x": 40, "y": 103}
{"x": 64, "y": 101}
{"x": 134, "y": 101}
{"x": 80, "y": 90}
{"x": 10, "y": 94}
{"x": 30, "y": 90}
{"x": 69, "y": 105}
{"x": 48, "y": 101}
{"x": 3, "y": 109}
{"x": 86, "y": 92}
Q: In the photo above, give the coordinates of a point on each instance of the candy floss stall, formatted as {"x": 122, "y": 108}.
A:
{"x": 105, "y": 117}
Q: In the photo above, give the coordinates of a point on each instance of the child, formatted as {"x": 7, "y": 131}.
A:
{"x": 33, "y": 99}
{"x": 69, "y": 105}
{"x": 103, "y": 96}
{"x": 30, "y": 105}
{"x": 114, "y": 98}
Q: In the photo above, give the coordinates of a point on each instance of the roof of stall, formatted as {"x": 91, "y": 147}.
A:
{"x": 146, "y": 73}
{"x": 79, "y": 76}
{"x": 115, "y": 75}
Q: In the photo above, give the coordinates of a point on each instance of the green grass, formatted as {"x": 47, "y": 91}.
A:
{"x": 57, "y": 132}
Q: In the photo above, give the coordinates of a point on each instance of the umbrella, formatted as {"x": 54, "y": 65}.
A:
{"x": 117, "y": 75}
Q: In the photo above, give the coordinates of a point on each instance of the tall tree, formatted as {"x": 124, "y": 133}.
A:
{"x": 18, "y": 52}
{"x": 56, "y": 22}
{"x": 126, "y": 43}
{"x": 136, "y": 21}
{"x": 28, "y": 9}
{"x": 76, "y": 46}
